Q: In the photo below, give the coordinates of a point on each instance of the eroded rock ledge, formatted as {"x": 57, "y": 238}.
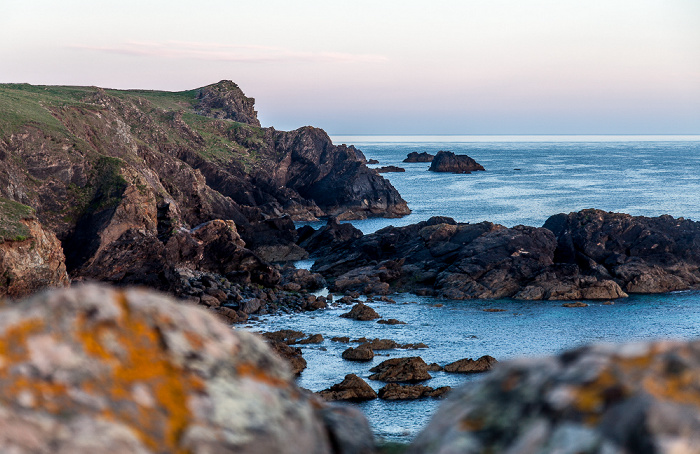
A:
{"x": 591, "y": 254}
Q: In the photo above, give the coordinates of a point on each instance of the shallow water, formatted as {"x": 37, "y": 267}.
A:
{"x": 637, "y": 175}
{"x": 462, "y": 329}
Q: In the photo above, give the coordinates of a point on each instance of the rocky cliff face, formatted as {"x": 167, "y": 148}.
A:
{"x": 30, "y": 257}
{"x": 124, "y": 171}
{"x": 586, "y": 255}
{"x": 92, "y": 369}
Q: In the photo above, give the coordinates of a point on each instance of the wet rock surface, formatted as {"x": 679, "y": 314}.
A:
{"x": 591, "y": 254}
{"x": 387, "y": 169}
{"x": 395, "y": 391}
{"x": 96, "y": 369}
{"x": 408, "y": 370}
{"x": 639, "y": 398}
{"x": 361, "y": 353}
{"x": 446, "y": 161}
{"x": 361, "y": 312}
{"x": 352, "y": 388}
{"x": 471, "y": 366}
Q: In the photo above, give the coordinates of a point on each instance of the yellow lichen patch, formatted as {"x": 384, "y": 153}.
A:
{"x": 681, "y": 389}
{"x": 260, "y": 375}
{"x": 13, "y": 344}
{"x": 138, "y": 357}
{"x": 14, "y": 351}
{"x": 591, "y": 398}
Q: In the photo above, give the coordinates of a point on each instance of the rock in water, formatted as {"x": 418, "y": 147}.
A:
{"x": 414, "y": 156}
{"x": 352, "y": 388}
{"x": 446, "y": 161}
{"x": 91, "y": 369}
{"x": 31, "y": 258}
{"x": 470, "y": 366}
{"x": 630, "y": 398}
{"x": 410, "y": 370}
{"x": 362, "y": 312}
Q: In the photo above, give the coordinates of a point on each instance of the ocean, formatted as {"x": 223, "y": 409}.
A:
{"x": 527, "y": 179}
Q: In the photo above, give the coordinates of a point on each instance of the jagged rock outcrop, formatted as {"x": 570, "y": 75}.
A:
{"x": 119, "y": 171}
{"x": 395, "y": 391}
{"x": 629, "y": 398}
{"x": 414, "y": 156}
{"x": 361, "y": 312}
{"x": 93, "y": 369}
{"x": 591, "y": 254}
{"x": 31, "y": 258}
{"x": 446, "y": 161}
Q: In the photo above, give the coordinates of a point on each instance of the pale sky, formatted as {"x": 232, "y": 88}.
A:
{"x": 384, "y": 66}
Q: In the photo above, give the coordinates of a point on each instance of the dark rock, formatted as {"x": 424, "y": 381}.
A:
{"x": 434, "y": 367}
{"x": 395, "y": 391}
{"x": 226, "y": 100}
{"x": 362, "y": 312}
{"x": 372, "y": 161}
{"x": 393, "y": 370}
{"x": 288, "y": 336}
{"x": 414, "y": 156}
{"x": 313, "y": 339}
{"x": 361, "y": 353}
{"x": 329, "y": 236}
{"x": 391, "y": 321}
{"x": 386, "y": 169}
{"x": 446, "y": 161}
{"x": 291, "y": 355}
{"x": 352, "y": 388}
{"x": 620, "y": 398}
{"x": 470, "y": 366}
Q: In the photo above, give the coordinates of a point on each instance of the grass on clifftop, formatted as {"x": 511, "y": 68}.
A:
{"x": 11, "y": 215}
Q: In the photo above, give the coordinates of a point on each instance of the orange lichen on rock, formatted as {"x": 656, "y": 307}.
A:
{"x": 137, "y": 357}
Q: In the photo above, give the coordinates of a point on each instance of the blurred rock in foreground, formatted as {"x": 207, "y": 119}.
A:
{"x": 629, "y": 398}
{"x": 92, "y": 369}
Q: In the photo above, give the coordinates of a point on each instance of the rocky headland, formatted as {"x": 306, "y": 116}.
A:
{"x": 590, "y": 254}
{"x": 155, "y": 188}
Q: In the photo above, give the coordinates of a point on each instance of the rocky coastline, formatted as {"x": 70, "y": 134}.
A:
{"x": 187, "y": 194}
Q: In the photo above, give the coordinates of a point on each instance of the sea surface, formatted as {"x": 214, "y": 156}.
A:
{"x": 527, "y": 179}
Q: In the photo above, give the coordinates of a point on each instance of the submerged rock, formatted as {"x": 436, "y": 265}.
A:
{"x": 386, "y": 169}
{"x": 630, "y": 398}
{"x": 91, "y": 369}
{"x": 446, "y": 161}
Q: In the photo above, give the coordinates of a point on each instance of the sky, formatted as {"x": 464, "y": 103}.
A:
{"x": 384, "y": 66}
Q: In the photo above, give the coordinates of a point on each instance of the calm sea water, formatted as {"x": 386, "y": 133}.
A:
{"x": 637, "y": 175}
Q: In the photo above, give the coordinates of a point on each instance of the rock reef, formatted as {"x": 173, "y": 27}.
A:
{"x": 591, "y": 254}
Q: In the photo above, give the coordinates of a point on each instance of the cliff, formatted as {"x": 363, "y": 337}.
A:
{"x": 108, "y": 169}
